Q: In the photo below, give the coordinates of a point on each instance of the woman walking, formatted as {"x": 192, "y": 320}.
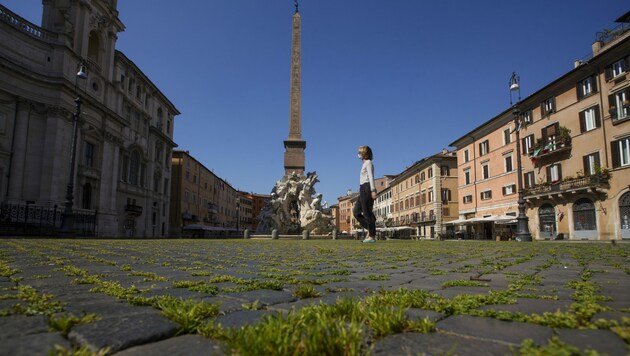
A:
{"x": 362, "y": 210}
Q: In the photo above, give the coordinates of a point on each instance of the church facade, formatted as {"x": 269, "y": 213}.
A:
{"x": 123, "y": 141}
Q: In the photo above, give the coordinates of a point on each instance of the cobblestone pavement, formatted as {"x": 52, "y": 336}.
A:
{"x": 478, "y": 297}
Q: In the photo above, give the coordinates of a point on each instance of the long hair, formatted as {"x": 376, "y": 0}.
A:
{"x": 365, "y": 152}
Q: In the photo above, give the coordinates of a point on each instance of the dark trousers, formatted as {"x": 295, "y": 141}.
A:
{"x": 362, "y": 210}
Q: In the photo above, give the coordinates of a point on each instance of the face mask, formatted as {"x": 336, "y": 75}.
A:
{"x": 359, "y": 156}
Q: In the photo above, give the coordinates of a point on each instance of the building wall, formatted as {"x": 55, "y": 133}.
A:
{"x": 119, "y": 120}
{"x": 565, "y": 197}
{"x": 198, "y": 196}
{"x": 417, "y": 196}
{"x": 346, "y": 220}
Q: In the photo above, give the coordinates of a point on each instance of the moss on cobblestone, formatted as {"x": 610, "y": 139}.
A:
{"x": 586, "y": 279}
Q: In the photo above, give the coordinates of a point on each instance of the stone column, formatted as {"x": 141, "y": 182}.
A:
{"x": 18, "y": 150}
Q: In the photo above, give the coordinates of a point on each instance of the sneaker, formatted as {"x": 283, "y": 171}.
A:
{"x": 369, "y": 240}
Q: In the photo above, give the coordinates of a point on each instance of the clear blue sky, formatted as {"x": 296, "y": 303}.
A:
{"x": 406, "y": 77}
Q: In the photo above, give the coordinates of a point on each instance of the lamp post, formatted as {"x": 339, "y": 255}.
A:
{"x": 522, "y": 221}
{"x": 67, "y": 222}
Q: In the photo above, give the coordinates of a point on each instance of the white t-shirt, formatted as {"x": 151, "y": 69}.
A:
{"x": 367, "y": 174}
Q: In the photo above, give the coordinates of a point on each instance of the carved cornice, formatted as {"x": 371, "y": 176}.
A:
{"x": 108, "y": 136}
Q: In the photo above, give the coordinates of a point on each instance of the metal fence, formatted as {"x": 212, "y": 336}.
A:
{"x": 36, "y": 220}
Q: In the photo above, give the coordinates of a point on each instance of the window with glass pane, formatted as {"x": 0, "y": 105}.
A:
{"x": 486, "y": 170}
{"x": 554, "y": 170}
{"x": 508, "y": 163}
{"x": 529, "y": 180}
{"x": 467, "y": 176}
{"x": 548, "y": 106}
{"x": 618, "y": 68}
{"x": 621, "y": 107}
{"x": 466, "y": 156}
{"x": 624, "y": 151}
{"x": 587, "y": 86}
{"x": 484, "y": 147}
{"x": 591, "y": 161}
{"x": 527, "y": 117}
{"x": 507, "y": 137}
{"x": 528, "y": 143}
{"x": 89, "y": 154}
{"x": 589, "y": 117}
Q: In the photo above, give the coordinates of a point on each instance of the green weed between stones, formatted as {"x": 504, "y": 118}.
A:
{"x": 187, "y": 313}
{"x": 65, "y": 322}
{"x": 197, "y": 286}
{"x": 306, "y": 291}
{"x": 347, "y": 327}
{"x": 463, "y": 283}
{"x": 34, "y": 303}
{"x": 554, "y": 347}
{"x": 83, "y": 351}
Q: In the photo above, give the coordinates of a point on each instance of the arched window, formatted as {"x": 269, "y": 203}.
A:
{"x": 547, "y": 220}
{"x": 134, "y": 168}
{"x": 584, "y": 215}
{"x": 94, "y": 46}
{"x": 86, "y": 202}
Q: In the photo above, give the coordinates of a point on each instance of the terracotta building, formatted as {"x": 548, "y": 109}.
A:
{"x": 200, "y": 199}
{"x": 575, "y": 144}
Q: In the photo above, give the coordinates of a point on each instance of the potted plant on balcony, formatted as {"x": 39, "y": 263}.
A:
{"x": 602, "y": 175}
{"x": 565, "y": 136}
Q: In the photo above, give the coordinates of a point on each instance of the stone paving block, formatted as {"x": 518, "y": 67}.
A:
{"x": 452, "y": 292}
{"x": 330, "y": 298}
{"x": 264, "y": 296}
{"x": 611, "y": 315}
{"x": 603, "y": 341}
{"x": 186, "y": 345}
{"x": 106, "y": 308}
{"x": 530, "y": 306}
{"x": 242, "y": 318}
{"x": 34, "y": 344}
{"x": 226, "y": 305}
{"x": 19, "y": 325}
{"x": 182, "y": 293}
{"x": 9, "y": 303}
{"x": 416, "y": 314}
{"x": 436, "y": 343}
{"x": 492, "y": 329}
{"x": 617, "y": 305}
{"x": 122, "y": 332}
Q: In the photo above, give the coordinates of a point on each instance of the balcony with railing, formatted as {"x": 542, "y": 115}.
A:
{"x": 550, "y": 149}
{"x": 597, "y": 182}
{"x": 25, "y": 26}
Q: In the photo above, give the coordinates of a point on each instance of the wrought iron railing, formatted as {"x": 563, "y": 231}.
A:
{"x": 566, "y": 185}
{"x": 19, "y": 219}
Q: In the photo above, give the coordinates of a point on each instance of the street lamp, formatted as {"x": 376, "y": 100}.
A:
{"x": 67, "y": 222}
{"x": 522, "y": 221}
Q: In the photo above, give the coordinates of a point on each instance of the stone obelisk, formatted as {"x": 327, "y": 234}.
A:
{"x": 294, "y": 145}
